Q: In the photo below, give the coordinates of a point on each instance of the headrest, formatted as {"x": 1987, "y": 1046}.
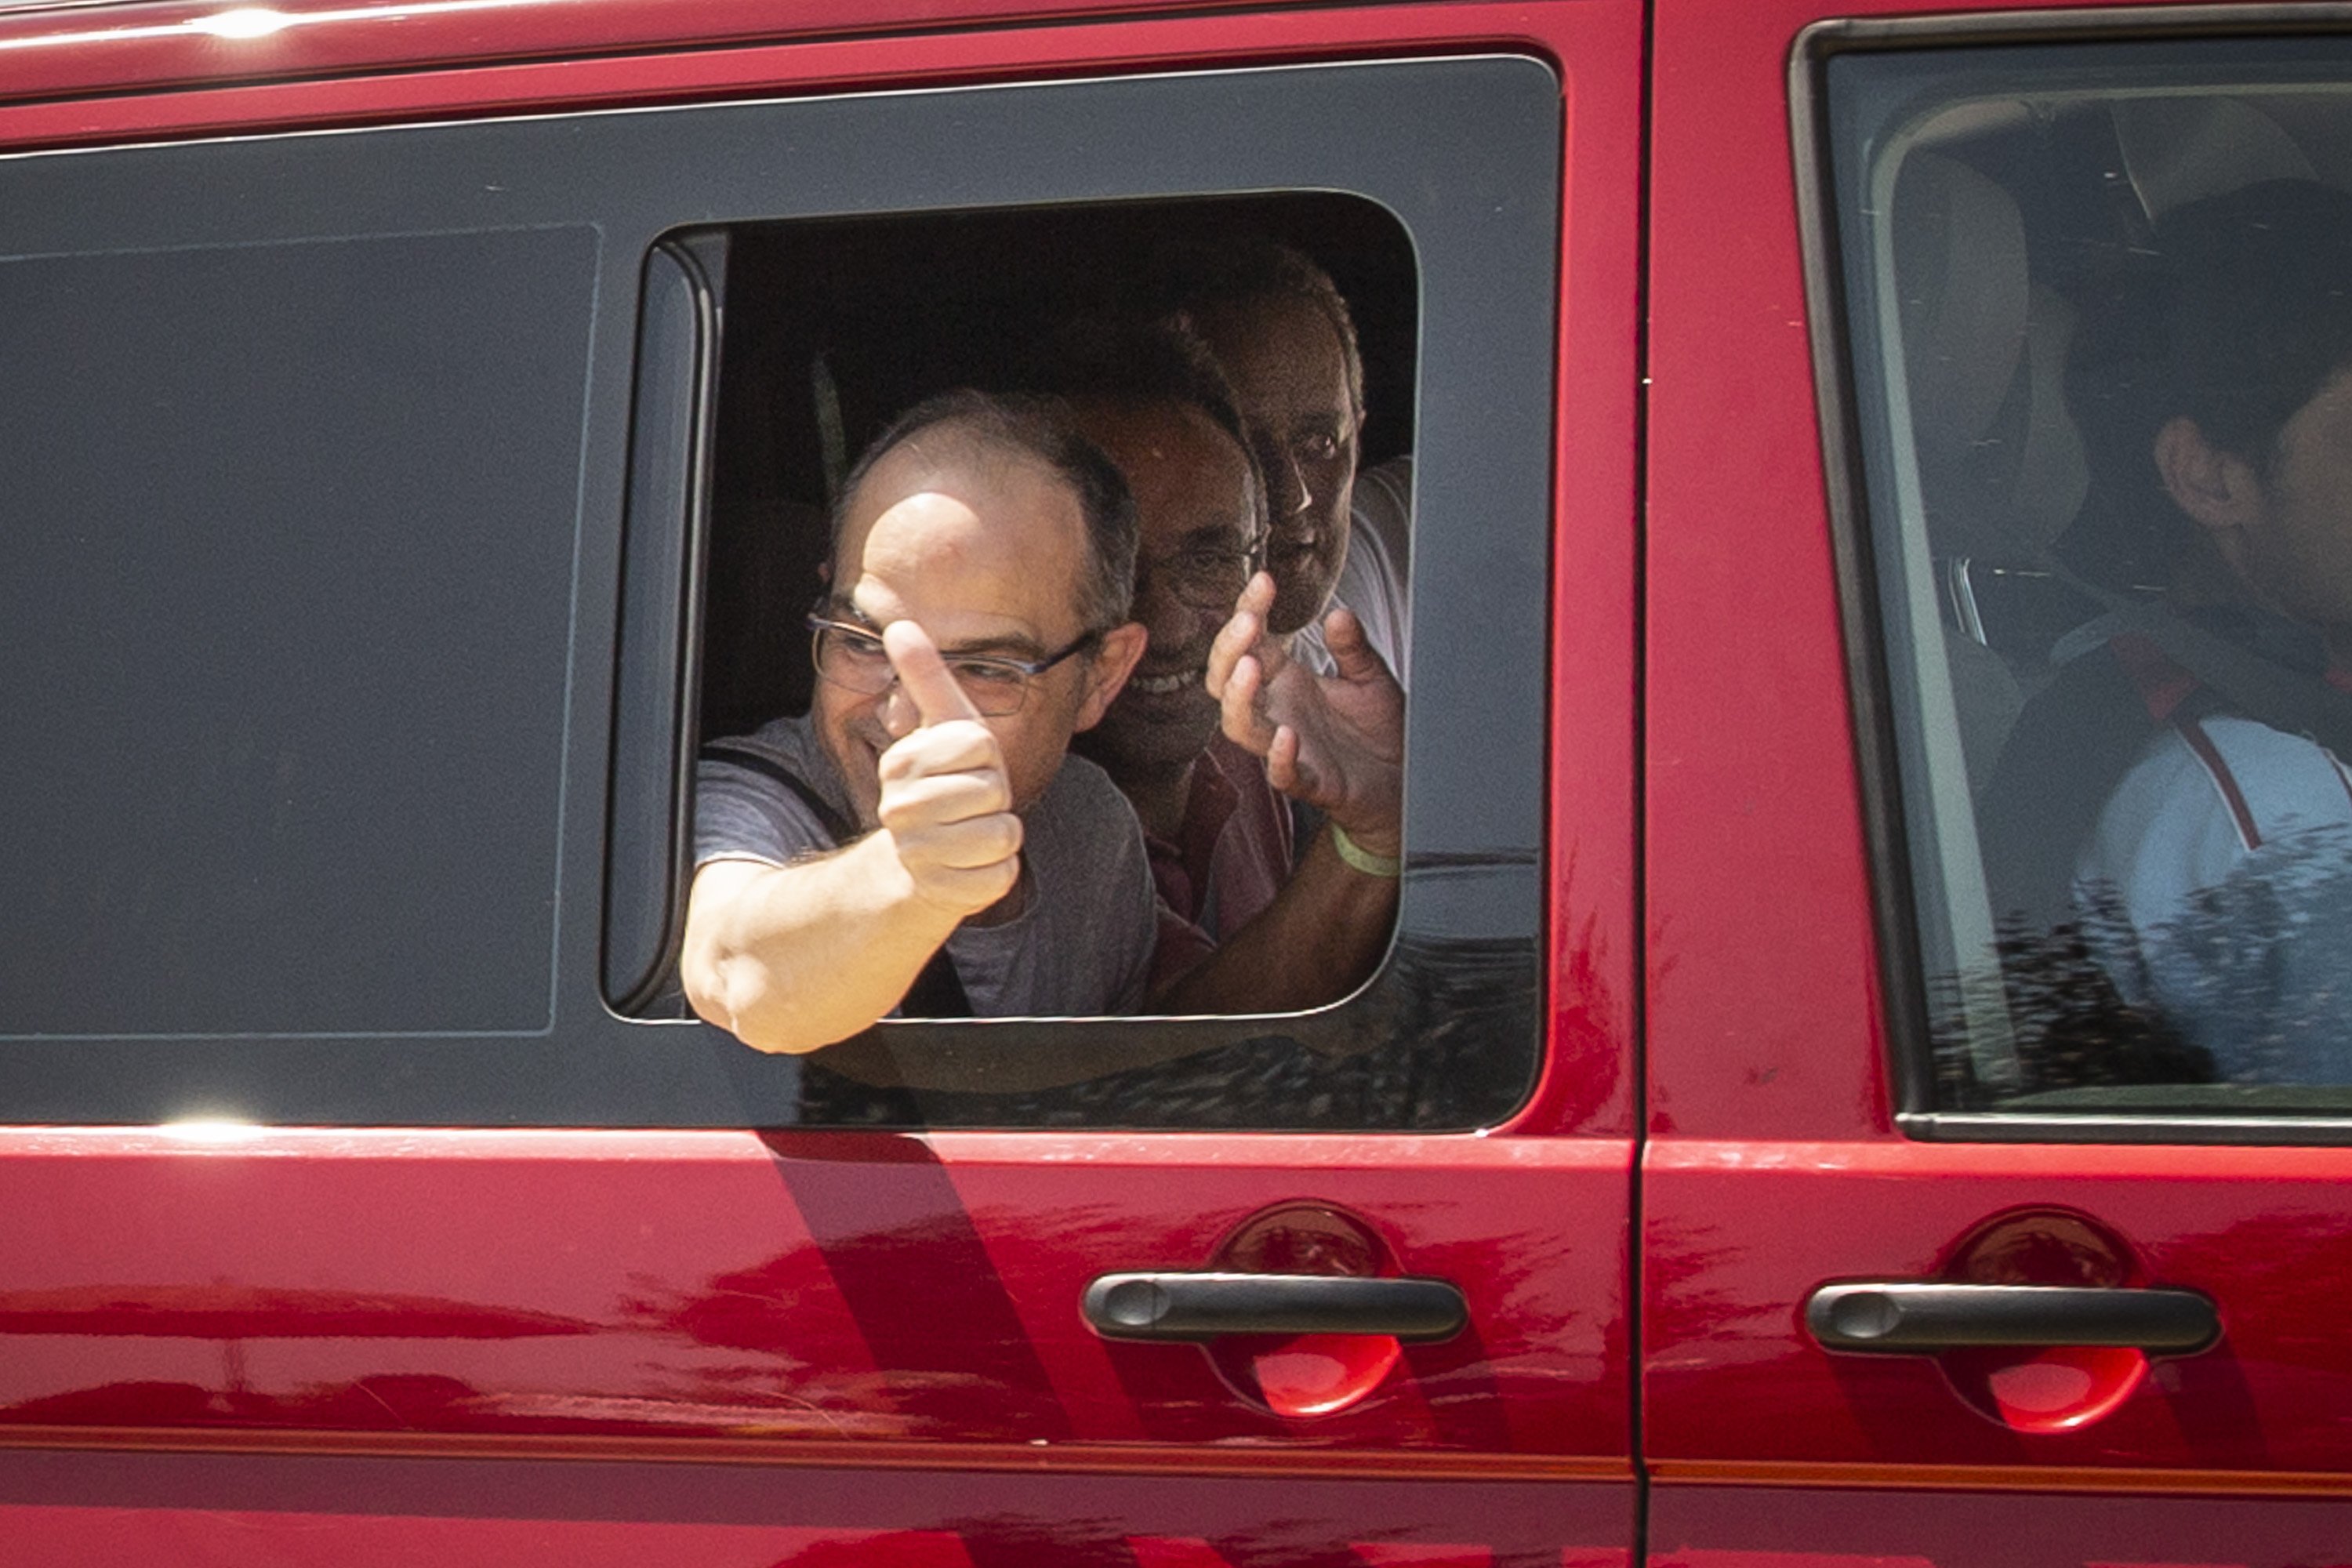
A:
{"x": 1960, "y": 282}
{"x": 2052, "y": 476}
{"x": 2179, "y": 149}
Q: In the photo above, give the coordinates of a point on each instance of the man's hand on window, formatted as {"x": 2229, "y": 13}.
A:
{"x": 1335, "y": 742}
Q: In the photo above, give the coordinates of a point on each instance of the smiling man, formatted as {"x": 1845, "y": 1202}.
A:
{"x": 920, "y": 836}
{"x": 1218, "y": 833}
{"x": 1206, "y": 774}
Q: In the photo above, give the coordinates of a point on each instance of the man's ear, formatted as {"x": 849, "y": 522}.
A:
{"x": 1106, "y": 672}
{"x": 2219, "y": 490}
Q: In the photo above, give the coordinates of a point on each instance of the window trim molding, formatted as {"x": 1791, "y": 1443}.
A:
{"x": 2123, "y": 1128}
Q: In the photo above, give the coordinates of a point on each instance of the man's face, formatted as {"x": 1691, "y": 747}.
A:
{"x": 1197, "y": 507}
{"x": 982, "y": 552}
{"x": 2298, "y": 551}
{"x": 1287, "y": 366}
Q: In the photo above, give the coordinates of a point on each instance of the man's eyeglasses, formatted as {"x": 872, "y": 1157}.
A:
{"x": 853, "y": 659}
{"x": 1204, "y": 579}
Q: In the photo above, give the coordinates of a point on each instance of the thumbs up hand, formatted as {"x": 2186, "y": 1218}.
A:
{"x": 946, "y": 800}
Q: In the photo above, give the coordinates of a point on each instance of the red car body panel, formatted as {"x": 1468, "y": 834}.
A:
{"x": 150, "y": 44}
{"x": 828, "y": 1346}
{"x": 824, "y": 1306}
{"x": 406, "y": 78}
{"x": 827, "y": 1286}
{"x": 233, "y": 1509}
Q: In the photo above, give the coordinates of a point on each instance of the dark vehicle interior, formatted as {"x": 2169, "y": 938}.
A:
{"x": 833, "y": 328}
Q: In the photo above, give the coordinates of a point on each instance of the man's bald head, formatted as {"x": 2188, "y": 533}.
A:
{"x": 978, "y": 432}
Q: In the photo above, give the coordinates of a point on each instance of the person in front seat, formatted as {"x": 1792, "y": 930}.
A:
{"x": 2213, "y": 882}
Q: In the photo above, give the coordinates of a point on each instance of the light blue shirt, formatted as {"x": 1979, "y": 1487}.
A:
{"x": 2216, "y": 890}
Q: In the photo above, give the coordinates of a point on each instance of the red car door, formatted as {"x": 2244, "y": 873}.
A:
{"x": 1948, "y": 1258}
{"x": 351, "y": 1220}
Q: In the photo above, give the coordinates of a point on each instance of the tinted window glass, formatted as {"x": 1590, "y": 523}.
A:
{"x": 282, "y": 604}
{"x": 2103, "y": 334}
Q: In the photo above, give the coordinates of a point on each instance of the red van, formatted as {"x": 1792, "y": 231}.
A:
{"x": 421, "y": 420}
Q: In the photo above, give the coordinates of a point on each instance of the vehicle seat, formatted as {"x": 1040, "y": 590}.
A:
{"x": 2000, "y": 467}
{"x": 2180, "y": 150}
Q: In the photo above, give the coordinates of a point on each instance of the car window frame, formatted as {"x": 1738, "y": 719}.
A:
{"x": 1887, "y": 828}
{"x": 596, "y": 1069}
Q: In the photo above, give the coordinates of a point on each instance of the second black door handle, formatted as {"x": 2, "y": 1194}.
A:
{"x": 1915, "y": 1317}
{"x": 1202, "y": 1306}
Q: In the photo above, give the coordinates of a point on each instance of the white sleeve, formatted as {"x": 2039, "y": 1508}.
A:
{"x": 2217, "y": 889}
{"x": 1374, "y": 578}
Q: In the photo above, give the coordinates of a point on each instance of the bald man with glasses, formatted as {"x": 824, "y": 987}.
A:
{"x": 918, "y": 842}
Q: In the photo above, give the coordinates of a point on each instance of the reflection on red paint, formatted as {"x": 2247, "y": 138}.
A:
{"x": 1154, "y": 1551}
{"x": 1384, "y": 1554}
{"x": 2056, "y": 1388}
{"x": 1305, "y": 1374}
{"x": 238, "y": 1539}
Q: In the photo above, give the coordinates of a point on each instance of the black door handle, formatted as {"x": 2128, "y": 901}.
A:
{"x": 1911, "y": 1317}
{"x": 1187, "y": 1306}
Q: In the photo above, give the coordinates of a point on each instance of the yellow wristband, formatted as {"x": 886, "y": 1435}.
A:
{"x": 1362, "y": 859}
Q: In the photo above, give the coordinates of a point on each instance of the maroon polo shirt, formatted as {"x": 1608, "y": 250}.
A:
{"x": 1227, "y": 862}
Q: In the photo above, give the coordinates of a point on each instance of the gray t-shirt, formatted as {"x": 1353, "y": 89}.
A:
{"x": 1081, "y": 948}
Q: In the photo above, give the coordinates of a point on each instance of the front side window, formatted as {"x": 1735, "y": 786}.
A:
{"x": 2100, "y": 303}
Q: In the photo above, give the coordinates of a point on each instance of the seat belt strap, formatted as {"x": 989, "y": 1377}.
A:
{"x": 2247, "y": 683}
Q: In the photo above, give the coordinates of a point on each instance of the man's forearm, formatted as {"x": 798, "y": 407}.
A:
{"x": 792, "y": 958}
{"x": 1320, "y": 938}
